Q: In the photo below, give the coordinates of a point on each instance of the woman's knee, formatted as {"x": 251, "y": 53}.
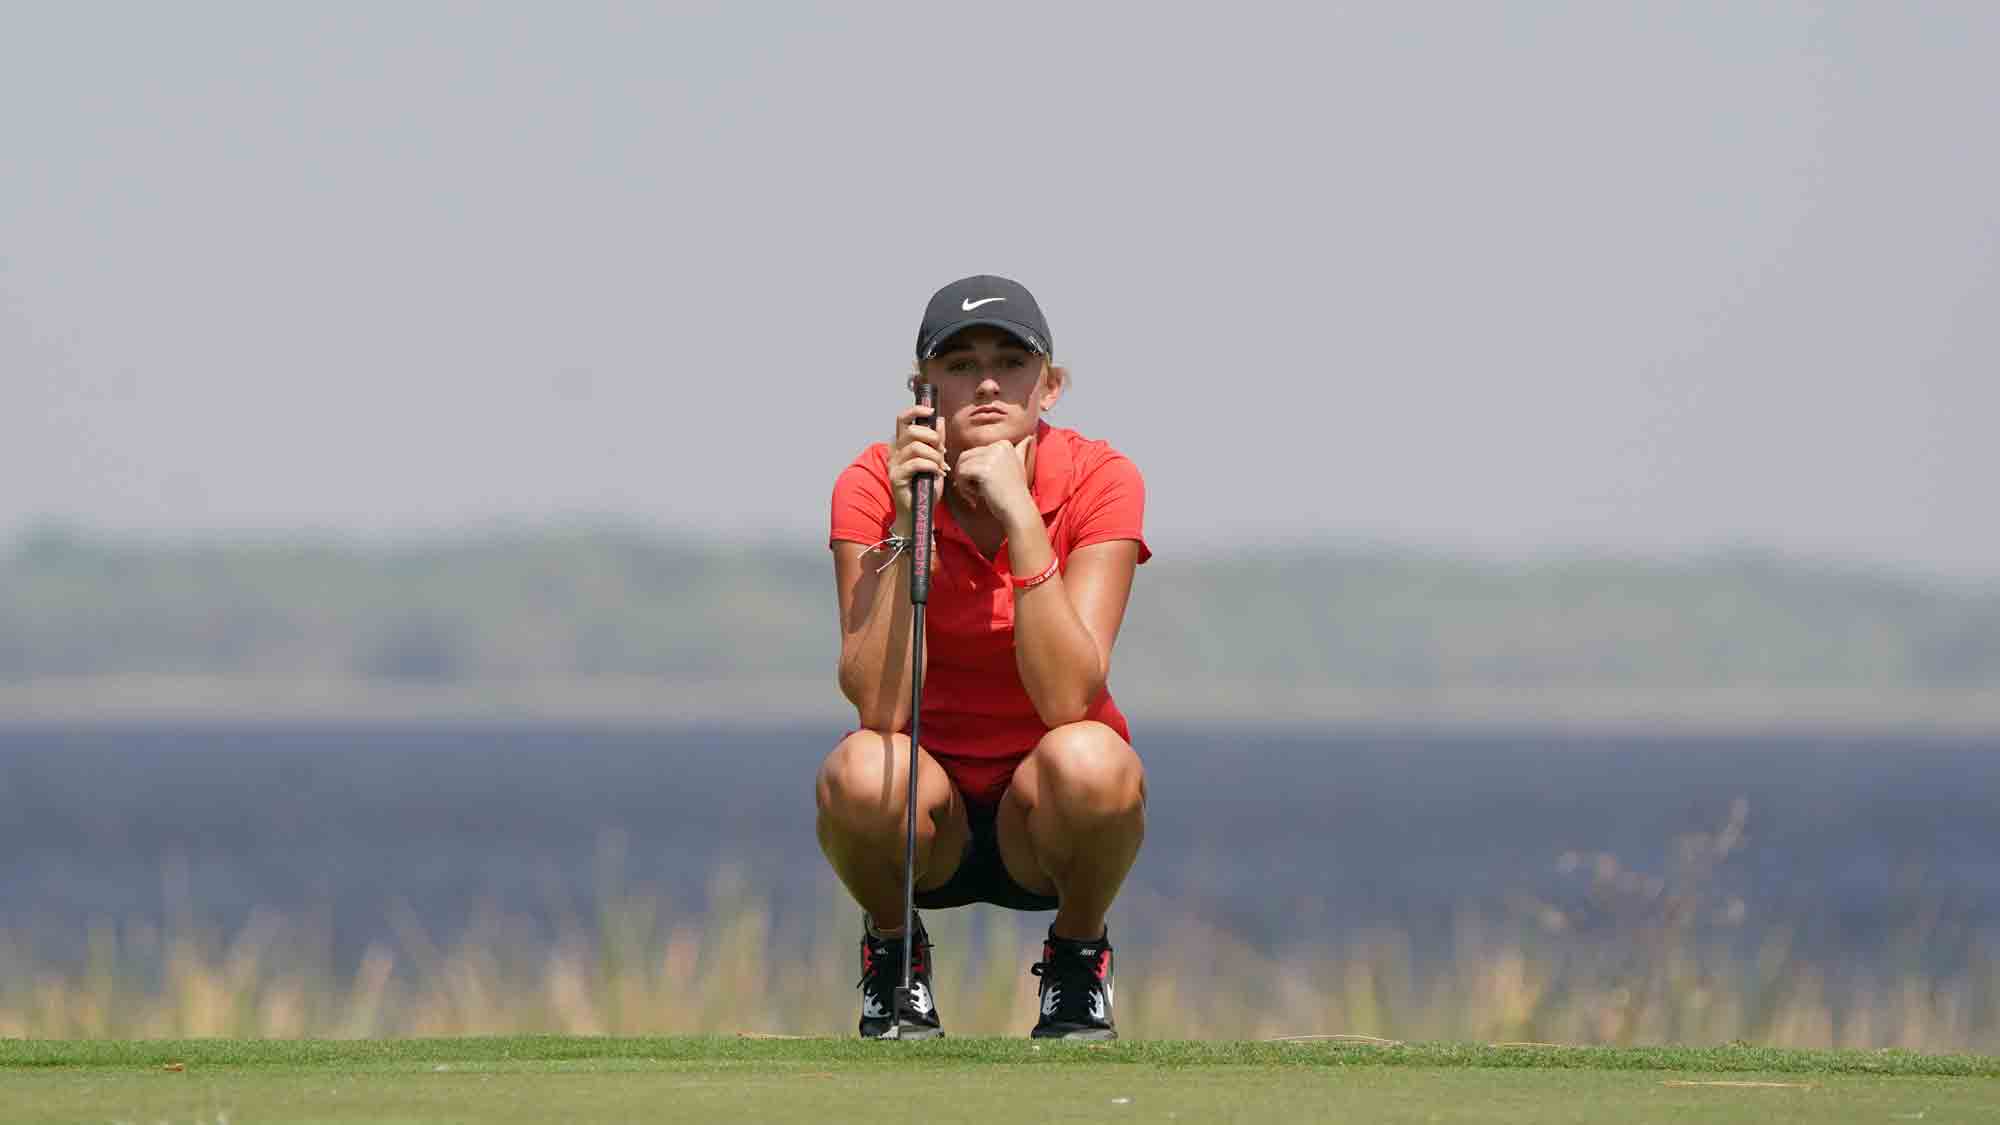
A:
{"x": 859, "y": 782}
{"x": 1087, "y": 769}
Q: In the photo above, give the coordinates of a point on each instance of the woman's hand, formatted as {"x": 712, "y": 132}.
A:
{"x": 996, "y": 476}
{"x": 918, "y": 447}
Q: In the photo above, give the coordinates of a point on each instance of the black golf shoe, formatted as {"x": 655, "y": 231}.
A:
{"x": 1076, "y": 989}
{"x": 882, "y": 974}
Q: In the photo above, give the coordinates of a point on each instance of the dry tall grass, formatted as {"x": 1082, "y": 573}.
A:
{"x": 1657, "y": 974}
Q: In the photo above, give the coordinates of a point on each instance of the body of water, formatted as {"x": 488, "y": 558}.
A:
{"x": 1302, "y": 836}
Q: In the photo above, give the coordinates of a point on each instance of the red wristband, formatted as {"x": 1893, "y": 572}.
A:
{"x": 1047, "y": 573}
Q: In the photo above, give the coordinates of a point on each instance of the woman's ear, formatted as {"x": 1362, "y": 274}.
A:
{"x": 1055, "y": 380}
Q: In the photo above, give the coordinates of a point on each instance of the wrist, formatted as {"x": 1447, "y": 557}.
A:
{"x": 1028, "y": 546}
{"x": 1021, "y": 516}
{"x": 1033, "y": 580}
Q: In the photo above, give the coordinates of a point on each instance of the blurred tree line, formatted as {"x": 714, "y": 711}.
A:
{"x": 580, "y": 603}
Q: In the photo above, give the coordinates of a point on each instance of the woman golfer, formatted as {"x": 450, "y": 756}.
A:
{"x": 1029, "y": 793}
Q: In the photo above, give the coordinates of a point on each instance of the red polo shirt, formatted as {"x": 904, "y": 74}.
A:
{"x": 978, "y": 720}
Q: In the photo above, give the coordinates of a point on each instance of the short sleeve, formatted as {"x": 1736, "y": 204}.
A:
{"x": 863, "y": 511}
{"x": 1112, "y": 505}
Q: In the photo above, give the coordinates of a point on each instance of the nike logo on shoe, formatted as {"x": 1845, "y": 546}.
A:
{"x": 969, "y": 304}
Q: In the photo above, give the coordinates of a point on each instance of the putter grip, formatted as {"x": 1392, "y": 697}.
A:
{"x": 921, "y": 489}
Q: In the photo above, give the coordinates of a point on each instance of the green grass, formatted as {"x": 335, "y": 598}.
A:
{"x": 24, "y": 1054}
{"x": 542, "y": 1078}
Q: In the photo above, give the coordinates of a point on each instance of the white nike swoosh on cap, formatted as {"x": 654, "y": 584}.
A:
{"x": 969, "y": 304}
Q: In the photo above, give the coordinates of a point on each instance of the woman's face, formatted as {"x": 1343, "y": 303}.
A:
{"x": 989, "y": 388}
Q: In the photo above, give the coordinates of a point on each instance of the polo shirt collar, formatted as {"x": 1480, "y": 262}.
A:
{"x": 1052, "y": 467}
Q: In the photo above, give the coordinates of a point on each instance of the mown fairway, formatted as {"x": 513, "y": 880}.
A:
{"x": 535, "y": 1079}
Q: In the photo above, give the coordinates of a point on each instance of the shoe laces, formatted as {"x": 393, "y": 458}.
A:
{"x": 882, "y": 961}
{"x": 1073, "y": 974}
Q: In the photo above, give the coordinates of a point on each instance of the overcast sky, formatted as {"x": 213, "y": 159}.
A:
{"x": 1510, "y": 277}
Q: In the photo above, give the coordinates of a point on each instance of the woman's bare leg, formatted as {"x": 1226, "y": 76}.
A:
{"x": 862, "y": 824}
{"x": 1072, "y": 821}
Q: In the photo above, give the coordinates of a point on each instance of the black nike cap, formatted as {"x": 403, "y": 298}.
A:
{"x": 983, "y": 301}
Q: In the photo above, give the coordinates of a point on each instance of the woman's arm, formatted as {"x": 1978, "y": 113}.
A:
{"x": 1064, "y": 628}
{"x": 874, "y": 635}
{"x": 874, "y": 620}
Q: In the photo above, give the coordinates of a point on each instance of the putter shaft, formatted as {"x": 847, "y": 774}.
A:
{"x": 921, "y": 499}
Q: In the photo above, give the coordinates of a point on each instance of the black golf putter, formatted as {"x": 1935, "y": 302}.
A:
{"x": 921, "y": 487}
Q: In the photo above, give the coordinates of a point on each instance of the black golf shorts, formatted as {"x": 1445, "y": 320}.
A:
{"x": 981, "y": 876}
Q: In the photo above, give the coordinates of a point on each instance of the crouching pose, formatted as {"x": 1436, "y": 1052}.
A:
{"x": 1029, "y": 794}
